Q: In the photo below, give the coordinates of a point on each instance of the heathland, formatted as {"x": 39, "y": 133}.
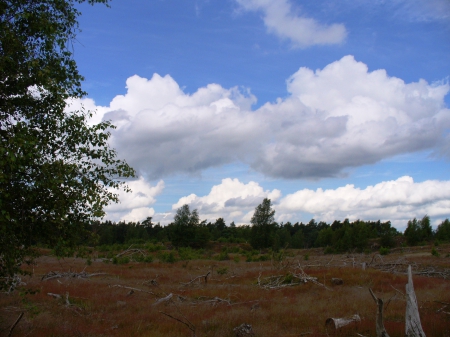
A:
{"x": 155, "y": 290}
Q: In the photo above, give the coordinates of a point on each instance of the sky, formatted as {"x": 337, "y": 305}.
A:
{"x": 332, "y": 109}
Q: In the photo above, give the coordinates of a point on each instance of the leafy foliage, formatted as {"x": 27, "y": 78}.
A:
{"x": 57, "y": 172}
{"x": 186, "y": 230}
{"x": 264, "y": 225}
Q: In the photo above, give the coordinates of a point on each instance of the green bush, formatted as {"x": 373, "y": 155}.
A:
{"x": 384, "y": 251}
{"x": 187, "y": 253}
{"x": 434, "y": 252}
{"x": 329, "y": 250}
{"x": 168, "y": 257}
{"x": 223, "y": 256}
{"x": 222, "y": 271}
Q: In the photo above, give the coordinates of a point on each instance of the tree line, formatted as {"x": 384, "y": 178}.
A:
{"x": 187, "y": 230}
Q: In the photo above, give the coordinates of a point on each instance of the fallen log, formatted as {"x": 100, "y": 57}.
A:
{"x": 337, "y": 323}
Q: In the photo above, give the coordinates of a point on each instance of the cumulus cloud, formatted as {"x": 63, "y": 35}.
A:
{"x": 280, "y": 20}
{"x": 350, "y": 117}
{"x": 231, "y": 199}
{"x": 134, "y": 206}
{"x": 333, "y": 118}
{"x": 397, "y": 200}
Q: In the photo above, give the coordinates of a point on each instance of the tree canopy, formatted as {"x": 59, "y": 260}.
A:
{"x": 263, "y": 225}
{"x": 57, "y": 172}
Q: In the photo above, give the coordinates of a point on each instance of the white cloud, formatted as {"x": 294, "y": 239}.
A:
{"x": 280, "y": 19}
{"x": 134, "y": 206}
{"x": 344, "y": 116}
{"x": 231, "y": 199}
{"x": 398, "y": 200}
{"x": 138, "y": 214}
{"x": 334, "y": 118}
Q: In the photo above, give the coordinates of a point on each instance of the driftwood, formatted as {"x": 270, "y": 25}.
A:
{"x": 381, "y": 331}
{"x": 205, "y": 277}
{"x": 164, "y": 299}
{"x": 56, "y": 274}
{"x": 337, "y": 323}
{"x": 216, "y": 300}
{"x": 243, "y": 330}
{"x": 131, "y": 288}
{"x": 297, "y": 277}
{"x": 130, "y": 252}
{"x": 57, "y": 296}
{"x": 413, "y": 327}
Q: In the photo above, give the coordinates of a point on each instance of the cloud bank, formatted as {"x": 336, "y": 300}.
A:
{"x": 397, "y": 200}
{"x": 332, "y": 119}
{"x": 280, "y": 20}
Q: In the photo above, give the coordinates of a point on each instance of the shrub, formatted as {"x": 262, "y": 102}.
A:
{"x": 384, "y": 251}
{"x": 434, "y": 252}
{"x": 167, "y": 257}
{"x": 222, "y": 271}
{"x": 329, "y": 250}
{"x": 223, "y": 256}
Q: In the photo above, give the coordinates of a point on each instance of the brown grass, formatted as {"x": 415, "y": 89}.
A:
{"x": 98, "y": 309}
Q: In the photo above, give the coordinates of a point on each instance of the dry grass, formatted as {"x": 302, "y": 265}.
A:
{"x": 99, "y": 309}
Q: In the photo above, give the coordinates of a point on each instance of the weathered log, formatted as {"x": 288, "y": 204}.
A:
{"x": 54, "y": 295}
{"x": 164, "y": 299}
{"x": 381, "y": 331}
{"x": 413, "y": 327}
{"x": 338, "y": 323}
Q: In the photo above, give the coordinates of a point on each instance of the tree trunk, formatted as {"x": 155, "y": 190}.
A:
{"x": 413, "y": 327}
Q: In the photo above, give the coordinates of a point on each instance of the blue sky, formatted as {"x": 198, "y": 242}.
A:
{"x": 333, "y": 109}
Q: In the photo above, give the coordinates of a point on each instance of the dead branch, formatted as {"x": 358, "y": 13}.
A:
{"x": 153, "y": 282}
{"x": 187, "y": 323}
{"x": 54, "y": 295}
{"x": 131, "y": 288}
{"x": 217, "y": 300}
{"x": 198, "y": 278}
{"x": 56, "y": 274}
{"x": 67, "y": 299}
{"x": 413, "y": 327}
{"x": 164, "y": 299}
{"x": 381, "y": 331}
{"x": 15, "y": 324}
{"x": 129, "y": 252}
